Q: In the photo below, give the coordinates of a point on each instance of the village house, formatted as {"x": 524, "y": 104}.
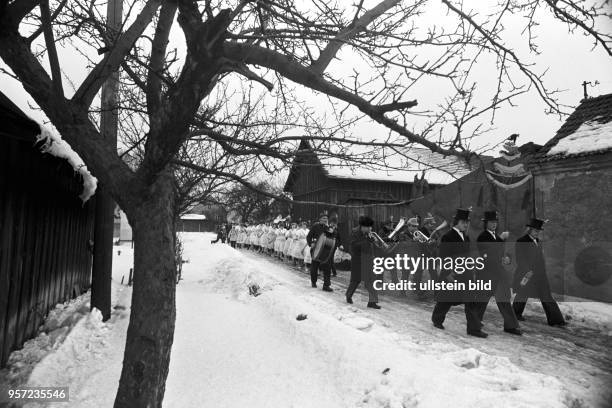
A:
{"x": 573, "y": 190}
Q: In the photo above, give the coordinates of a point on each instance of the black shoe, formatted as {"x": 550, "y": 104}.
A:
{"x": 314, "y": 285}
{"x": 438, "y": 326}
{"x": 521, "y": 318}
{"x": 561, "y": 324}
{"x": 327, "y": 289}
{"x": 518, "y": 332}
{"x": 373, "y": 305}
{"x": 349, "y": 300}
{"x": 478, "y": 333}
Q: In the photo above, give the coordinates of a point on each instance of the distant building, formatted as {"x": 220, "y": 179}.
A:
{"x": 193, "y": 223}
{"x": 352, "y": 190}
{"x": 573, "y": 184}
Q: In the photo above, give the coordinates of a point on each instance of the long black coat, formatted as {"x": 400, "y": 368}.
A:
{"x": 452, "y": 246}
{"x": 492, "y": 250}
{"x": 362, "y": 257}
{"x": 530, "y": 257}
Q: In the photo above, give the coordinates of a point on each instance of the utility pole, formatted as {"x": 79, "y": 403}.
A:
{"x": 105, "y": 206}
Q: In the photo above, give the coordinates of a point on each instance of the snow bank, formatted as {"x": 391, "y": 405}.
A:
{"x": 56, "y": 146}
{"x": 51, "y": 334}
{"x": 591, "y": 136}
{"x": 370, "y": 365}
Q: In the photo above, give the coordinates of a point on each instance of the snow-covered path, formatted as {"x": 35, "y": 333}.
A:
{"x": 234, "y": 349}
{"x": 579, "y": 355}
{"x": 226, "y": 353}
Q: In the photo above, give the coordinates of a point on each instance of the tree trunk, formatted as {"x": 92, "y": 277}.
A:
{"x": 151, "y": 329}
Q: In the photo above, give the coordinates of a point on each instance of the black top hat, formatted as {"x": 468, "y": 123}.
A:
{"x": 366, "y": 221}
{"x": 333, "y": 219}
{"x": 536, "y": 223}
{"x": 490, "y": 216}
{"x": 462, "y": 214}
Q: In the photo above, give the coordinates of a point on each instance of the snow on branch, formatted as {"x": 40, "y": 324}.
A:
{"x": 53, "y": 144}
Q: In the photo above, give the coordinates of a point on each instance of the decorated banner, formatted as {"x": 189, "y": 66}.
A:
{"x": 511, "y": 174}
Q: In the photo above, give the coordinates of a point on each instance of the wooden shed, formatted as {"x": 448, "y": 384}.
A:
{"x": 45, "y": 231}
{"x": 382, "y": 190}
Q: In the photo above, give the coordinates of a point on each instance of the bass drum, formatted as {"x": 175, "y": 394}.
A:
{"x": 323, "y": 249}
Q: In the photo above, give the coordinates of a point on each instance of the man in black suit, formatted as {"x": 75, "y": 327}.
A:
{"x": 322, "y": 227}
{"x": 491, "y": 248}
{"x": 456, "y": 244}
{"x": 362, "y": 257}
{"x": 530, "y": 278}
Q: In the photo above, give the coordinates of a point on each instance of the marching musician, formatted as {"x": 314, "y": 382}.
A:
{"x": 530, "y": 278}
{"x": 491, "y": 248}
{"x": 416, "y": 249}
{"x": 333, "y": 224}
{"x": 315, "y": 233}
{"x": 362, "y": 259}
{"x": 456, "y": 244}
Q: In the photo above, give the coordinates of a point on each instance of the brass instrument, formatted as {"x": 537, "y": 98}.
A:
{"x": 379, "y": 242}
{"x": 398, "y": 228}
{"x": 422, "y": 238}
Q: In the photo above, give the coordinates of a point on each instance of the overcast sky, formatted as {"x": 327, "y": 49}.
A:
{"x": 569, "y": 60}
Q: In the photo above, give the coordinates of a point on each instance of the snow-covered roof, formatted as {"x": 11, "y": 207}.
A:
{"x": 436, "y": 168}
{"x": 193, "y": 217}
{"x": 587, "y": 131}
{"x": 51, "y": 142}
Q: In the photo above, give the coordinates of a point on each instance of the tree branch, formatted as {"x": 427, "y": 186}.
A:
{"x": 256, "y": 55}
{"x": 158, "y": 55}
{"x": 357, "y": 26}
{"x": 111, "y": 62}
{"x": 56, "y": 73}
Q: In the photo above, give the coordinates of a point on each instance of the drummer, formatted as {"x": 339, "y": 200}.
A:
{"x": 317, "y": 231}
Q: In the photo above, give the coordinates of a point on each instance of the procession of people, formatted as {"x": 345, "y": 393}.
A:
{"x": 317, "y": 247}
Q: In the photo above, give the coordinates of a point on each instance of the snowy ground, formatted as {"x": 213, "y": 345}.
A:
{"x": 234, "y": 349}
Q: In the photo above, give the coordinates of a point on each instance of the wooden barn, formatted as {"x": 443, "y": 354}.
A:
{"x": 377, "y": 190}
{"x": 573, "y": 190}
{"x": 45, "y": 231}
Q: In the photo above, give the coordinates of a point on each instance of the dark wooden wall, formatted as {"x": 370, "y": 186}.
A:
{"x": 44, "y": 234}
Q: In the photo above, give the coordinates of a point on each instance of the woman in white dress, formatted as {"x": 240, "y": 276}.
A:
{"x": 241, "y": 236}
{"x": 300, "y": 242}
{"x": 307, "y": 256}
{"x": 288, "y": 241}
{"x": 279, "y": 243}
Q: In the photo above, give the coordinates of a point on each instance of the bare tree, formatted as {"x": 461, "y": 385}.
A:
{"x": 250, "y": 203}
{"x": 281, "y": 47}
